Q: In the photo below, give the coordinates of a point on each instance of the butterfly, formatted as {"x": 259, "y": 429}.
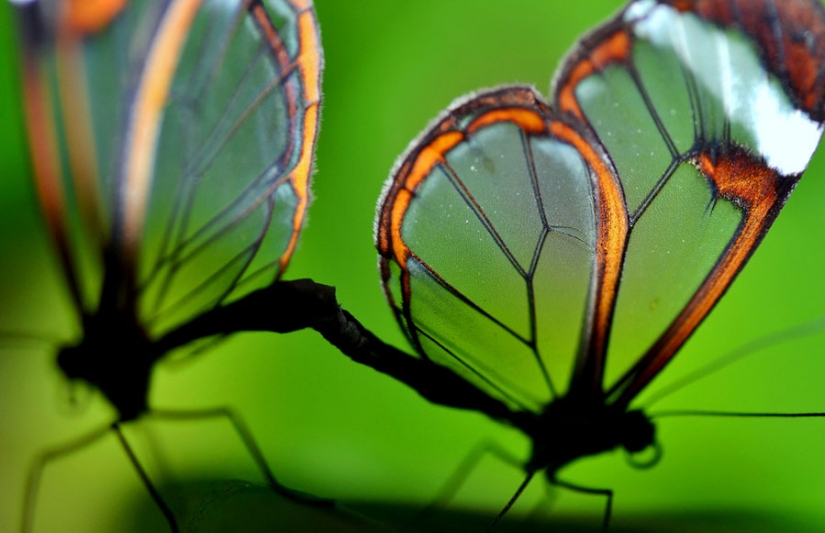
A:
{"x": 172, "y": 146}
{"x": 556, "y": 256}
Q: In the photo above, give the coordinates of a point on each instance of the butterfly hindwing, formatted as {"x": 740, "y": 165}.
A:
{"x": 488, "y": 236}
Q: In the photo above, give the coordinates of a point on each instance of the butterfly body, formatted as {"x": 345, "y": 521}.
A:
{"x": 115, "y": 357}
{"x": 567, "y": 431}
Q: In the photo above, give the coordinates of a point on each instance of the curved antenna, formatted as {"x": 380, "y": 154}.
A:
{"x": 644, "y": 464}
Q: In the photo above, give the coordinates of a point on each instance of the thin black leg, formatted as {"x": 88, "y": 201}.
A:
{"x": 167, "y": 512}
{"x": 512, "y": 500}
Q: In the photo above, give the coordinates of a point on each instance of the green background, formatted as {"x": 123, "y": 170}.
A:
{"x": 333, "y": 428}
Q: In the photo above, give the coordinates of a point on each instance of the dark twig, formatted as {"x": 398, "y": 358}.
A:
{"x": 285, "y": 307}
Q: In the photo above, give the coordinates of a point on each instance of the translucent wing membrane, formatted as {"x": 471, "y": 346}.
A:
{"x": 571, "y": 252}
{"x": 488, "y": 238}
{"x": 184, "y": 133}
{"x": 709, "y": 132}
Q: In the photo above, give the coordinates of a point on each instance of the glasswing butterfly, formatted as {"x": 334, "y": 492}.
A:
{"x": 557, "y": 256}
{"x": 172, "y": 146}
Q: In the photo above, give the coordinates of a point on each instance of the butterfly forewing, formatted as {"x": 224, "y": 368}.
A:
{"x": 487, "y": 234}
{"x": 236, "y": 142}
{"x": 189, "y": 130}
{"x": 707, "y": 140}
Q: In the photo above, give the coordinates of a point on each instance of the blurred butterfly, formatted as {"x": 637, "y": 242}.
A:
{"x": 172, "y": 146}
{"x": 558, "y": 256}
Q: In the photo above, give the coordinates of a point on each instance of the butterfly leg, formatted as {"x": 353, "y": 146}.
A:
{"x": 513, "y": 499}
{"x": 607, "y": 493}
{"x": 459, "y": 476}
{"x": 167, "y": 512}
{"x": 36, "y": 471}
{"x": 251, "y": 446}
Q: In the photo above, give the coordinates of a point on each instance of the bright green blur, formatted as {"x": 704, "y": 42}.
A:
{"x": 333, "y": 428}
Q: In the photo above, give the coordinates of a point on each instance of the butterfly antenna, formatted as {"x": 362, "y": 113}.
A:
{"x": 733, "y": 414}
{"x": 643, "y": 464}
{"x": 33, "y": 483}
{"x": 791, "y": 334}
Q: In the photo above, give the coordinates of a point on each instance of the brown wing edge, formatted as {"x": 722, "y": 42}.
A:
{"x": 790, "y": 35}
{"x": 760, "y": 192}
{"x": 310, "y": 63}
{"x": 428, "y": 148}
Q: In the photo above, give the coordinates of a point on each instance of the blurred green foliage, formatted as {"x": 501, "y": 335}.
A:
{"x": 333, "y": 428}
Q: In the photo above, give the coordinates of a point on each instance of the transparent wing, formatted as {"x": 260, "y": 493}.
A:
{"x": 194, "y": 124}
{"x": 238, "y": 135}
{"x": 710, "y": 111}
{"x": 488, "y": 234}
